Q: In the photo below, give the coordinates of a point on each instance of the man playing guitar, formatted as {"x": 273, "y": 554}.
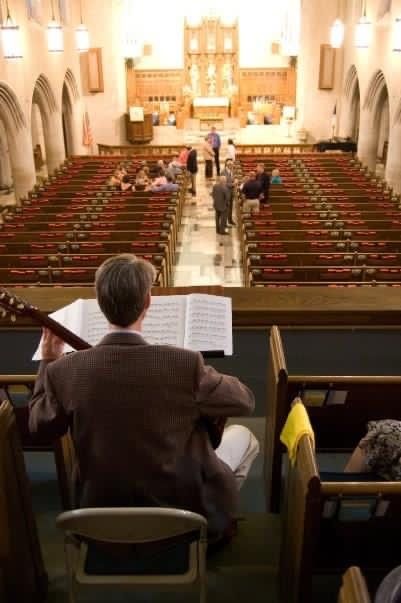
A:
{"x": 138, "y": 413}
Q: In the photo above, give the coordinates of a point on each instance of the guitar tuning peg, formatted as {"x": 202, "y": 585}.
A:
{"x": 2, "y": 295}
{"x": 13, "y": 318}
{"x": 20, "y": 306}
{"x": 3, "y": 313}
{"x": 11, "y": 301}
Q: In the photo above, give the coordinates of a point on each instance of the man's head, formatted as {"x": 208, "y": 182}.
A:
{"x": 276, "y": 172}
{"x": 123, "y": 284}
{"x": 213, "y": 129}
{"x": 229, "y": 164}
{"x": 252, "y": 175}
{"x": 222, "y": 180}
{"x": 260, "y": 168}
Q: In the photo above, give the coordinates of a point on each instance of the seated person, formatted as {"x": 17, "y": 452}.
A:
{"x": 168, "y": 186}
{"x": 125, "y": 183}
{"x": 161, "y": 165}
{"x": 141, "y": 180}
{"x": 116, "y": 178}
{"x": 139, "y": 413}
{"x": 174, "y": 167}
{"x": 379, "y": 451}
{"x": 160, "y": 179}
{"x": 276, "y": 178}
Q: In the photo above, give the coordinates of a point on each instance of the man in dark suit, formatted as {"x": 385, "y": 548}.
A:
{"x": 137, "y": 411}
{"x": 221, "y": 204}
{"x": 192, "y": 167}
{"x": 264, "y": 180}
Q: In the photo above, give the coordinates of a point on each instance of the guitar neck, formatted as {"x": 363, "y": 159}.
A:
{"x": 65, "y": 334}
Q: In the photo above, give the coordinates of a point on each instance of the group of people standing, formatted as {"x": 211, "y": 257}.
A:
{"x": 211, "y": 152}
{"x": 255, "y": 191}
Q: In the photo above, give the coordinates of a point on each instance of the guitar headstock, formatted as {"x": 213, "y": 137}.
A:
{"x": 13, "y": 306}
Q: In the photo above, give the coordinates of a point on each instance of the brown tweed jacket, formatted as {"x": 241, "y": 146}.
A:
{"x": 134, "y": 412}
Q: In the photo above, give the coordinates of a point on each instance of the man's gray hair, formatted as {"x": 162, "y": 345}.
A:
{"x": 122, "y": 285}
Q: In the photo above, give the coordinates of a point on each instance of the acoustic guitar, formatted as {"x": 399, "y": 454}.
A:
{"x": 14, "y": 306}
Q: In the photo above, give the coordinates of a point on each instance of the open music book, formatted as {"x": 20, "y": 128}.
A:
{"x": 196, "y": 321}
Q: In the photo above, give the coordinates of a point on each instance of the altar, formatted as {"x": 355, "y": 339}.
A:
{"x": 210, "y": 107}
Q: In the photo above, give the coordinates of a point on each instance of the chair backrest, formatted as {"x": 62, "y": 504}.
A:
{"x": 21, "y": 565}
{"x": 353, "y": 588}
{"x": 131, "y": 524}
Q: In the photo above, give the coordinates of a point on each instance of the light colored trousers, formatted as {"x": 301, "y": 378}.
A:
{"x": 238, "y": 449}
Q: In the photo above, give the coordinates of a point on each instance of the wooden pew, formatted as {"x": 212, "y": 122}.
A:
{"x": 22, "y": 574}
{"x": 342, "y": 381}
{"x": 329, "y": 525}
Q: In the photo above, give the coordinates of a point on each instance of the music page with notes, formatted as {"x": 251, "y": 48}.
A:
{"x": 198, "y": 322}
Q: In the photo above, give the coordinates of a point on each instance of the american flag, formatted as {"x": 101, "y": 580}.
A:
{"x": 87, "y": 138}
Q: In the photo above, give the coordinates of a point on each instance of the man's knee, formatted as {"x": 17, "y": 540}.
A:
{"x": 245, "y": 438}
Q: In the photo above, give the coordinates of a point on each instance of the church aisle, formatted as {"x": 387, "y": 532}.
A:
{"x": 203, "y": 257}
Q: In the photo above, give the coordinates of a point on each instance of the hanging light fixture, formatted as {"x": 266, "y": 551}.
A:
{"x": 337, "y": 30}
{"x": 337, "y": 34}
{"x": 363, "y": 30}
{"x": 82, "y": 33}
{"x": 397, "y": 35}
{"x": 10, "y": 34}
{"x": 55, "y": 38}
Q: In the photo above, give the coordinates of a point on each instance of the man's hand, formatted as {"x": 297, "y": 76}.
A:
{"x": 51, "y": 346}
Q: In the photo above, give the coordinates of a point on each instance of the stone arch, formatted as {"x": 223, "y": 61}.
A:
{"x": 393, "y": 164}
{"x": 376, "y": 91}
{"x": 10, "y": 109}
{"x": 353, "y": 104}
{"x": 43, "y": 95}
{"x": 45, "y": 99}
{"x": 18, "y": 142}
{"x": 375, "y": 113}
{"x": 70, "y": 113}
{"x": 71, "y": 83}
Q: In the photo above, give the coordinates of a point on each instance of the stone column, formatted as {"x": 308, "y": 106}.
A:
{"x": 368, "y": 139}
{"x": 54, "y": 141}
{"x": 393, "y": 164}
{"x": 5, "y": 166}
{"x": 22, "y": 164}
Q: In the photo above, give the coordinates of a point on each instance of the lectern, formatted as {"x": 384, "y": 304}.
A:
{"x": 139, "y": 131}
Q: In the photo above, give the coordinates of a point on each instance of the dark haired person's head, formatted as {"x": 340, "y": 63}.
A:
{"x": 169, "y": 178}
{"x": 230, "y": 141}
{"x": 125, "y": 179}
{"x": 123, "y": 284}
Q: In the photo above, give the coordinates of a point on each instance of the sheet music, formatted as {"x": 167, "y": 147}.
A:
{"x": 70, "y": 317}
{"x": 164, "y": 323}
{"x": 209, "y": 323}
{"x": 94, "y": 325}
{"x": 198, "y": 321}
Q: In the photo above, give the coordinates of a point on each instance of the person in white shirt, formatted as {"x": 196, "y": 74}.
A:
{"x": 231, "y": 149}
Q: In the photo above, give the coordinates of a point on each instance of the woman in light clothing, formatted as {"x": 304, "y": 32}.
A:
{"x": 231, "y": 149}
{"x": 208, "y": 156}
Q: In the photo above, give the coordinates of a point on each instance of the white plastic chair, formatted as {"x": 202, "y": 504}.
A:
{"x": 131, "y": 525}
